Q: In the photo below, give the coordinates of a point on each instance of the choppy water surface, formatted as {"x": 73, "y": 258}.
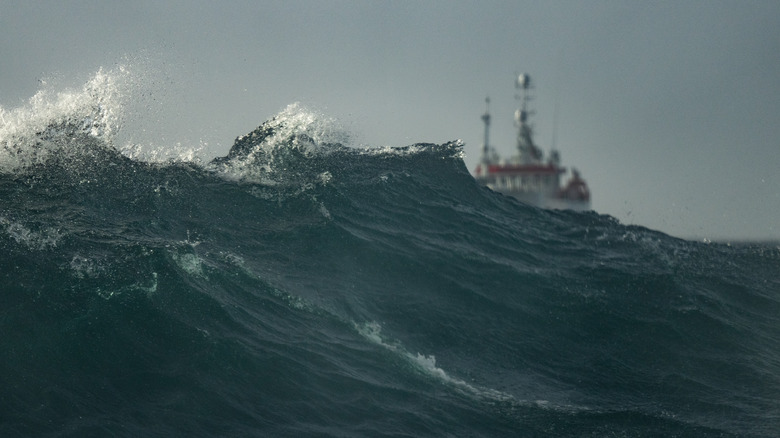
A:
{"x": 303, "y": 287}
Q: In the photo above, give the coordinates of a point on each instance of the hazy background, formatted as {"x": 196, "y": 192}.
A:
{"x": 671, "y": 110}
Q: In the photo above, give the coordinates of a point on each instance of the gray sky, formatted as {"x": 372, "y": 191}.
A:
{"x": 670, "y": 109}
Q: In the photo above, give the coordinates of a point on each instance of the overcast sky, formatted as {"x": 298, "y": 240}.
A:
{"x": 670, "y": 110}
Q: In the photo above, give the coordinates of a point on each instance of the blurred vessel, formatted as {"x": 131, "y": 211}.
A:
{"x": 528, "y": 176}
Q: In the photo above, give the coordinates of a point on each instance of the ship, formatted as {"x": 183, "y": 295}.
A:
{"x": 528, "y": 175}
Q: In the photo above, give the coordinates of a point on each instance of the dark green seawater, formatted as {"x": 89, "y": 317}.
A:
{"x": 298, "y": 287}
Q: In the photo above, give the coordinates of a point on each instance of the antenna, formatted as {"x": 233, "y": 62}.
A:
{"x": 527, "y": 150}
{"x": 486, "y": 119}
{"x": 555, "y": 119}
{"x": 523, "y": 84}
{"x": 556, "y": 108}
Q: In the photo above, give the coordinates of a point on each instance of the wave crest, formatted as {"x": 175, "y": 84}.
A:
{"x": 282, "y": 145}
{"x": 45, "y": 127}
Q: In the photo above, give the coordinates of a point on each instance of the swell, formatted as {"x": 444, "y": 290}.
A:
{"x": 299, "y": 286}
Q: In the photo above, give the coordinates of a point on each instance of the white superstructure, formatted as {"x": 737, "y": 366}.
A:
{"x": 528, "y": 176}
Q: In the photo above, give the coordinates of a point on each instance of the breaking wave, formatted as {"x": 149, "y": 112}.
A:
{"x": 301, "y": 286}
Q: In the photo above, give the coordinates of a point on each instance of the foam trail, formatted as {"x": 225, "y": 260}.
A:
{"x": 427, "y": 365}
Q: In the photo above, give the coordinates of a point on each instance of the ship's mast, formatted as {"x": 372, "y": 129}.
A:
{"x": 527, "y": 150}
{"x": 486, "y": 120}
{"x": 489, "y": 155}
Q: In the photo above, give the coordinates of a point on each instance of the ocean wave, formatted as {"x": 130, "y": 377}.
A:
{"x": 303, "y": 286}
{"x": 50, "y": 122}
